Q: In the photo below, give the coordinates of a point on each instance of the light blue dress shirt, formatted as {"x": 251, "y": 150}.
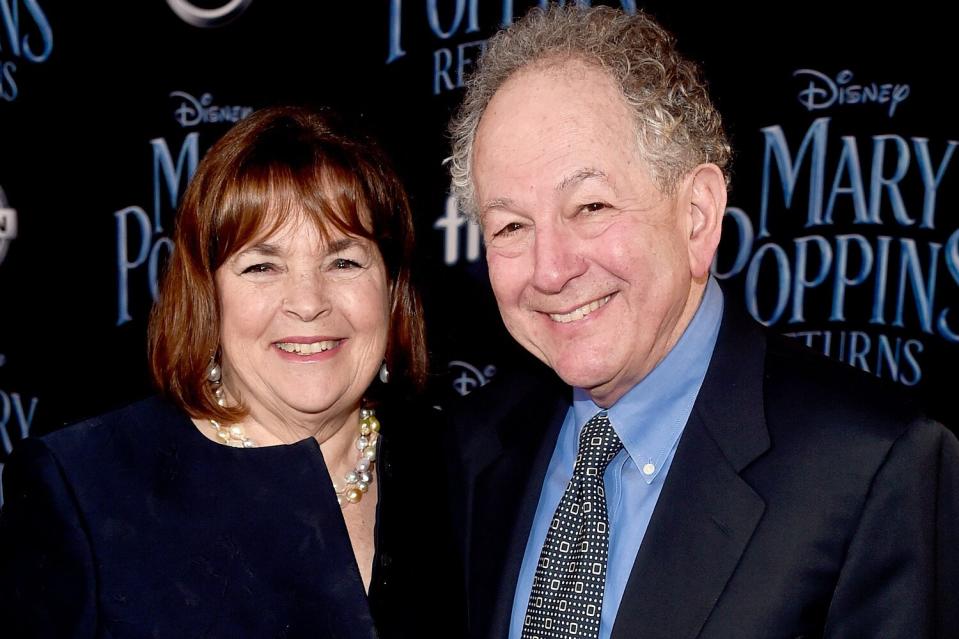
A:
{"x": 649, "y": 420}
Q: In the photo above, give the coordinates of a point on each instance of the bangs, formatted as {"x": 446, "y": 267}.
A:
{"x": 262, "y": 197}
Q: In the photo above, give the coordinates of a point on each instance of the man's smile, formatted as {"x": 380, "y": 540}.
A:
{"x": 579, "y": 313}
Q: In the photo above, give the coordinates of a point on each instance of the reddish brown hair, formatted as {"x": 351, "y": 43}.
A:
{"x": 278, "y": 164}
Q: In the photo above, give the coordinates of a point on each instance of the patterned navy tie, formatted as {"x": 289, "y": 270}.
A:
{"x": 567, "y": 595}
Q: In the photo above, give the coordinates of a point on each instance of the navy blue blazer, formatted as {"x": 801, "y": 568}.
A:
{"x": 805, "y": 499}
{"x": 135, "y": 525}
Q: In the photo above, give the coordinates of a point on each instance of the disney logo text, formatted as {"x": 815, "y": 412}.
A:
{"x": 823, "y": 92}
{"x": 193, "y": 111}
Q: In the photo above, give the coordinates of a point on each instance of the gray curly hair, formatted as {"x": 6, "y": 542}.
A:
{"x": 677, "y": 125}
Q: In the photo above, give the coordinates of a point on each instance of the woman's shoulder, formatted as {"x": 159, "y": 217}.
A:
{"x": 125, "y": 432}
{"x": 91, "y": 459}
{"x": 143, "y": 415}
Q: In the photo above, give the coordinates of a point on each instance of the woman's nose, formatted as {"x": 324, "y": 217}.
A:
{"x": 306, "y": 296}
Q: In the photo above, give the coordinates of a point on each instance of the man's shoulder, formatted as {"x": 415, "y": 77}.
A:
{"x": 823, "y": 424}
{"x": 838, "y": 414}
{"x": 809, "y": 383}
{"x": 805, "y": 400}
{"x": 799, "y": 381}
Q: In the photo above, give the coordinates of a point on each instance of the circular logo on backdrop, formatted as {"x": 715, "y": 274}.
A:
{"x": 467, "y": 378}
{"x": 8, "y": 225}
{"x": 205, "y": 17}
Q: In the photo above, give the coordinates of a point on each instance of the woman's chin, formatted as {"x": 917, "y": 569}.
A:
{"x": 320, "y": 407}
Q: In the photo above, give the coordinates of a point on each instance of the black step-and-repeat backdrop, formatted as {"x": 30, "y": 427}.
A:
{"x": 842, "y": 228}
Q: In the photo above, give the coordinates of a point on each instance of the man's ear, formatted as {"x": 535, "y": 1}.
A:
{"x": 706, "y": 198}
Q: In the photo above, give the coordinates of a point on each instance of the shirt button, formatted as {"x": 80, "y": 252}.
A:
{"x": 649, "y": 468}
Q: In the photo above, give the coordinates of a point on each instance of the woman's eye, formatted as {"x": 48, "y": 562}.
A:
{"x": 341, "y": 263}
{"x": 258, "y": 268}
{"x": 508, "y": 230}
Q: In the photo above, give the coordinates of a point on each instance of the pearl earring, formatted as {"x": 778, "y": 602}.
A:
{"x": 384, "y": 374}
{"x": 214, "y": 375}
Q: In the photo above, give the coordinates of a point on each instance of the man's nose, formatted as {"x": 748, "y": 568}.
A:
{"x": 557, "y": 255}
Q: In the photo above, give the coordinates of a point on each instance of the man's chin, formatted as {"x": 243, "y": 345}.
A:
{"x": 586, "y": 379}
{"x": 574, "y": 369}
{"x": 603, "y": 386}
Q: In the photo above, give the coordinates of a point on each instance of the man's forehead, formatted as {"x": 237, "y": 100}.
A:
{"x": 546, "y": 134}
{"x": 538, "y": 83}
{"x": 542, "y": 109}
{"x": 566, "y": 183}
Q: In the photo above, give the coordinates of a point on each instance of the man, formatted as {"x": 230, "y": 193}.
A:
{"x": 686, "y": 475}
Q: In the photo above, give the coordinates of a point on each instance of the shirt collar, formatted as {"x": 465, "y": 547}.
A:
{"x": 651, "y": 416}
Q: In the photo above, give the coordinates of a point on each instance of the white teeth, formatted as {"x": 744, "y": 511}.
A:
{"x": 579, "y": 313}
{"x": 306, "y": 349}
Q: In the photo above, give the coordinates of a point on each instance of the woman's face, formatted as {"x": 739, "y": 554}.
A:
{"x": 303, "y": 323}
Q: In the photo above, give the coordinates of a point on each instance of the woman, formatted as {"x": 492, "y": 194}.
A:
{"x": 255, "y": 497}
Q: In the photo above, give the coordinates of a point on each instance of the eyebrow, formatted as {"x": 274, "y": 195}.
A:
{"x": 341, "y": 244}
{"x": 570, "y": 180}
{"x": 497, "y": 203}
{"x": 263, "y": 248}
{"x": 273, "y": 250}
{"x": 580, "y": 176}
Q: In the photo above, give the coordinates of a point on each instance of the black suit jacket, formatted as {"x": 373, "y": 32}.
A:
{"x": 805, "y": 500}
{"x": 135, "y": 525}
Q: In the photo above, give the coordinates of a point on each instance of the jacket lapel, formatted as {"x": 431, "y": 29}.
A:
{"x": 504, "y": 500}
{"x": 706, "y": 513}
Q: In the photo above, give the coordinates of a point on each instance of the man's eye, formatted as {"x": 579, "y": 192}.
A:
{"x": 592, "y": 207}
{"x": 508, "y": 230}
{"x": 259, "y": 268}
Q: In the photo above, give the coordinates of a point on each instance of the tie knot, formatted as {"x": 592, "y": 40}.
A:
{"x": 598, "y": 444}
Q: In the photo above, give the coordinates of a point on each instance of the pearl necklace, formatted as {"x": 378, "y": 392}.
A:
{"x": 358, "y": 480}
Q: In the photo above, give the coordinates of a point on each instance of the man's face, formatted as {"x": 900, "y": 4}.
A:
{"x": 590, "y": 263}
